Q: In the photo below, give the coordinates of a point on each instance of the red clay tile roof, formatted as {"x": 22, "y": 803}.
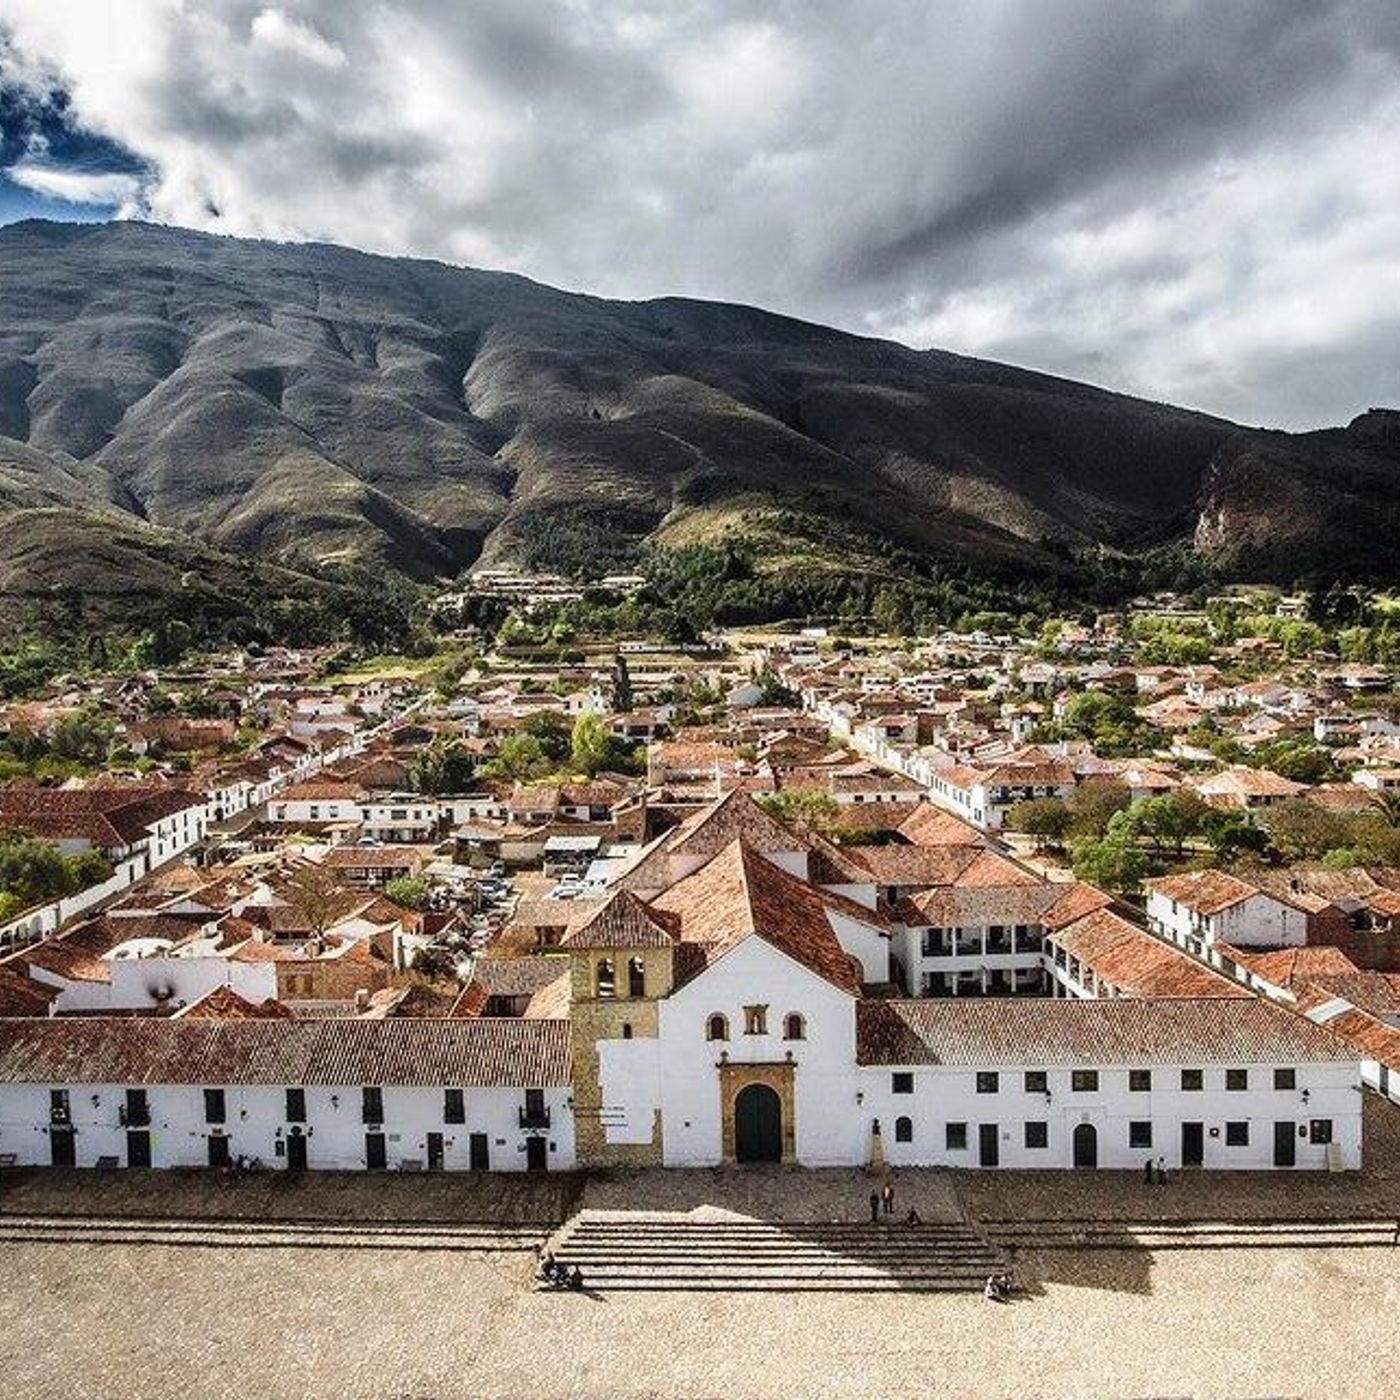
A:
{"x": 1205, "y": 891}
{"x": 916, "y": 866}
{"x": 224, "y": 1004}
{"x": 513, "y": 977}
{"x": 967, "y": 1031}
{"x": 373, "y": 858}
{"x": 22, "y": 996}
{"x": 1138, "y": 965}
{"x": 495, "y": 1053}
{"x": 989, "y": 868}
{"x": 1284, "y": 966}
{"x": 738, "y": 893}
{"x": 1074, "y": 901}
{"x": 624, "y": 922}
{"x": 106, "y": 816}
{"x": 978, "y": 905}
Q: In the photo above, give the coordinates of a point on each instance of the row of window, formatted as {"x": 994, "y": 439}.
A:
{"x": 1037, "y": 1134}
{"x": 1086, "y": 1081}
{"x": 756, "y": 1023}
{"x": 136, "y": 1110}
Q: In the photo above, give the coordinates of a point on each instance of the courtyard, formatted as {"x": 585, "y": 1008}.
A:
{"x": 126, "y": 1318}
{"x": 113, "y": 1321}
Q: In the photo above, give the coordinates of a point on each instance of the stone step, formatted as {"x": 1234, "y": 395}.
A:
{"x": 650, "y": 1252}
{"x": 686, "y": 1249}
{"x": 781, "y": 1285}
{"x": 263, "y": 1234}
{"x": 1164, "y": 1235}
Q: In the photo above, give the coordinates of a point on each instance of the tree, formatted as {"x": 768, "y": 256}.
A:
{"x": 408, "y": 891}
{"x": 441, "y": 767}
{"x": 34, "y": 871}
{"x": 1301, "y": 830}
{"x": 1169, "y": 820}
{"x": 1114, "y": 863}
{"x": 1094, "y": 804}
{"x": 622, "y": 685}
{"x": 594, "y": 748}
{"x": 551, "y": 731}
{"x": 1230, "y": 833}
{"x": 1300, "y": 761}
{"x": 803, "y": 808}
{"x": 519, "y": 756}
{"x": 1047, "y": 819}
{"x": 81, "y": 736}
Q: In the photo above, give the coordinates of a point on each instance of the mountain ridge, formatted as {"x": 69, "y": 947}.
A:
{"x": 315, "y": 406}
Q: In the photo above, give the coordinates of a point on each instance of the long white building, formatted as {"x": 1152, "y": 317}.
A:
{"x": 723, "y": 1005}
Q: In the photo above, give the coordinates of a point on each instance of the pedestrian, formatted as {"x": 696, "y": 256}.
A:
{"x": 1147, "y": 1172}
{"x": 874, "y": 1207}
{"x": 887, "y": 1198}
{"x": 1161, "y": 1171}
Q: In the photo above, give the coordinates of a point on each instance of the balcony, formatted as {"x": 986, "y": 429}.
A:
{"x": 134, "y": 1117}
{"x": 60, "y": 1117}
{"x": 534, "y": 1115}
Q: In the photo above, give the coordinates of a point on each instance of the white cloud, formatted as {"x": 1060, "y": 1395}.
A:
{"x": 122, "y": 192}
{"x": 1189, "y": 201}
{"x": 274, "y": 30}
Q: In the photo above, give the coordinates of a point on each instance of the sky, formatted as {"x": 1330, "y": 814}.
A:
{"x": 1192, "y": 200}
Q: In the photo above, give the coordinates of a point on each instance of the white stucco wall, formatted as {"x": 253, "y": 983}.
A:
{"x": 943, "y": 1096}
{"x": 256, "y": 1123}
{"x": 827, "y": 1129}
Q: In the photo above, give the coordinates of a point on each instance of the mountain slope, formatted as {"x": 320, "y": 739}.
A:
{"x": 315, "y": 405}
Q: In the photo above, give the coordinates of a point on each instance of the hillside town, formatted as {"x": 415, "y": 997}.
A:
{"x": 971, "y": 900}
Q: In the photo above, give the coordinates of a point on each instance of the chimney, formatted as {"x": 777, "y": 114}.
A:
{"x": 361, "y": 999}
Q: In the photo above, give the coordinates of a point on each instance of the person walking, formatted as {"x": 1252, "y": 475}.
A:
{"x": 887, "y": 1198}
{"x": 1147, "y": 1172}
{"x": 1161, "y": 1171}
{"x": 874, "y": 1207}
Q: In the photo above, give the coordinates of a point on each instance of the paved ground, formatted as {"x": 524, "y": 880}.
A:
{"x": 332, "y": 1196}
{"x": 142, "y": 1320}
{"x": 136, "y": 1322}
{"x": 772, "y": 1193}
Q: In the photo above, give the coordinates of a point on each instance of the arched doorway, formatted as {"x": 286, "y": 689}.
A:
{"x": 758, "y": 1124}
{"x": 1086, "y": 1145}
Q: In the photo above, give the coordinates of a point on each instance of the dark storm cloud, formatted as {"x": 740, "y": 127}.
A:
{"x": 1190, "y": 199}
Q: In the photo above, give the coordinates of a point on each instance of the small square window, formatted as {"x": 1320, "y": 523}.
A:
{"x": 1192, "y": 1080}
{"x": 1037, "y": 1081}
{"x": 1237, "y": 1080}
{"x": 1285, "y": 1079}
{"x": 1084, "y": 1081}
{"x": 1037, "y": 1134}
{"x": 1140, "y": 1081}
{"x": 1237, "y": 1135}
{"x": 1140, "y": 1134}
{"x": 956, "y": 1137}
{"x": 1320, "y": 1130}
{"x": 902, "y": 1082}
{"x": 988, "y": 1081}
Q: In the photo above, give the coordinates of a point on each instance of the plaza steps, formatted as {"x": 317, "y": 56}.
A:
{"x": 1076, "y": 1234}
{"x": 225, "y": 1233}
{"x": 654, "y": 1251}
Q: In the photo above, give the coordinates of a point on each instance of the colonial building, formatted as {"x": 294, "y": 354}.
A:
{"x": 735, "y": 998}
